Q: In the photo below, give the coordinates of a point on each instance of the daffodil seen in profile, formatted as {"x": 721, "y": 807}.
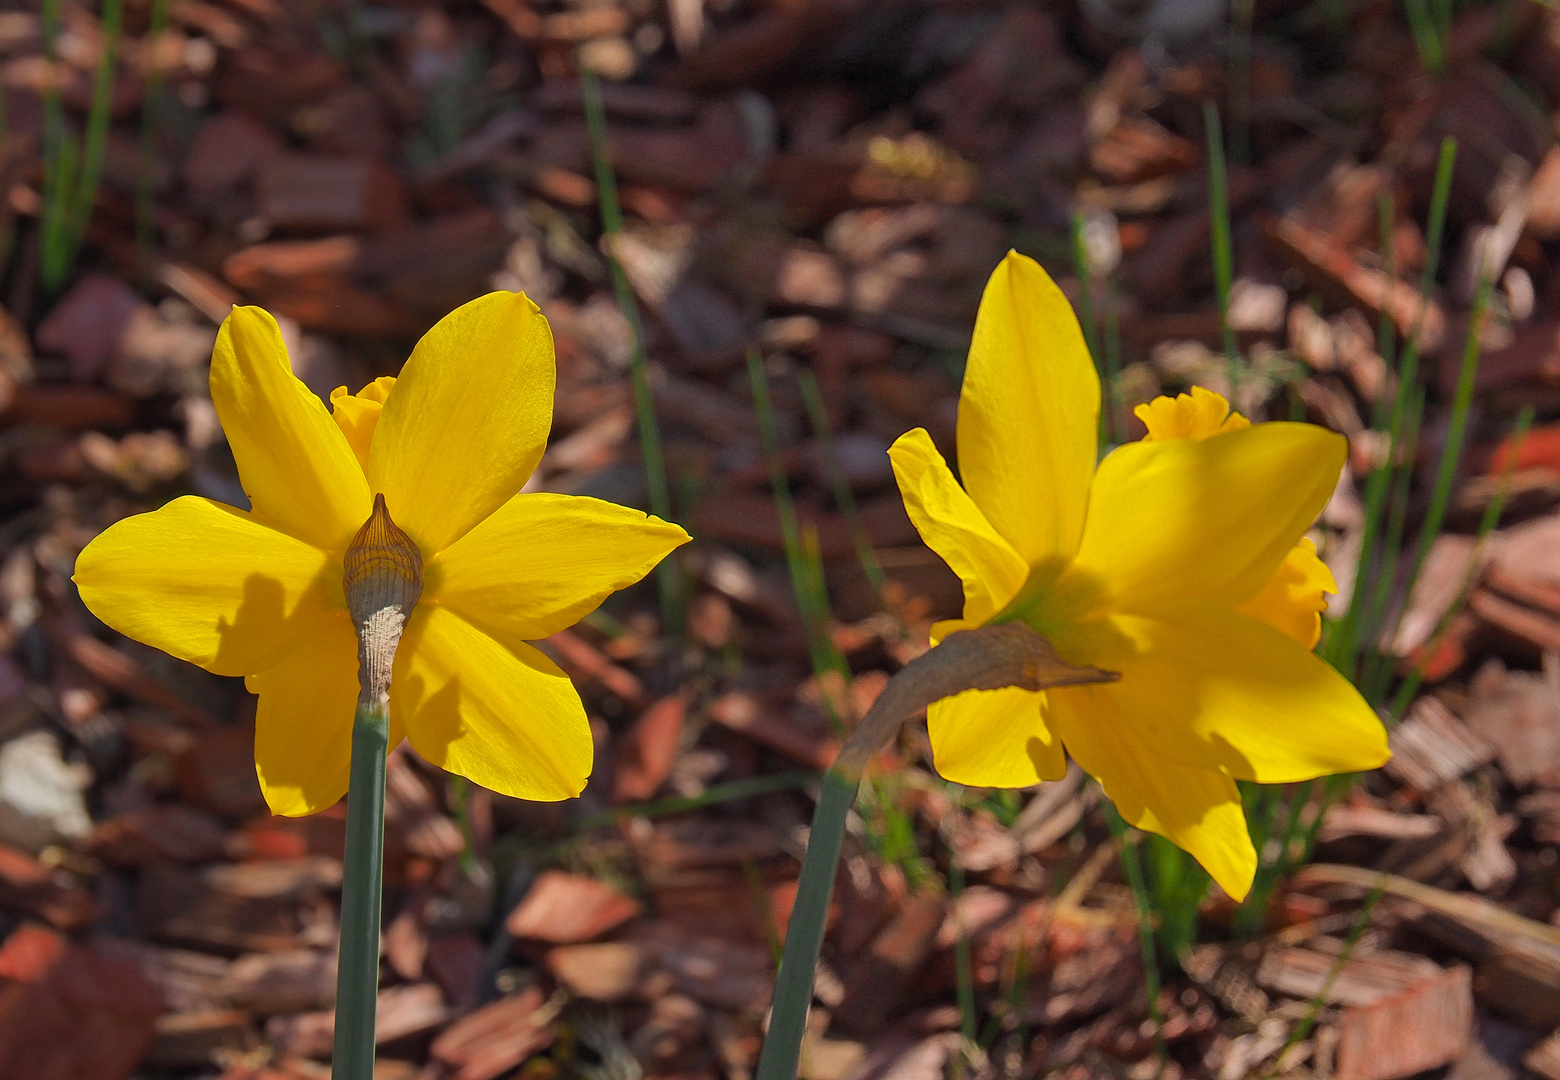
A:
{"x": 1178, "y": 561}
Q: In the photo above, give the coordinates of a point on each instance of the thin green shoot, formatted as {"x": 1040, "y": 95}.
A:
{"x": 72, "y": 170}
{"x": 151, "y": 130}
{"x": 714, "y": 795}
{"x": 1456, "y": 435}
{"x": 1219, "y": 229}
{"x": 1303, "y": 1029}
{"x": 1386, "y": 329}
{"x": 818, "y": 413}
{"x": 1373, "y": 618}
{"x": 804, "y": 578}
{"x": 755, "y": 885}
{"x": 1126, "y": 847}
{"x": 1487, "y": 522}
{"x": 964, "y": 975}
{"x": 668, "y": 576}
{"x": 1346, "y": 635}
{"x": 1427, "y": 36}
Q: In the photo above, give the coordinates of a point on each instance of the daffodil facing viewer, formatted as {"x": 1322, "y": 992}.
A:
{"x": 1178, "y": 562}
{"x": 444, "y": 449}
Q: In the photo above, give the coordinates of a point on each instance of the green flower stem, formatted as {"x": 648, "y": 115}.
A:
{"x": 782, "y": 1051}
{"x": 357, "y": 973}
{"x": 988, "y": 658}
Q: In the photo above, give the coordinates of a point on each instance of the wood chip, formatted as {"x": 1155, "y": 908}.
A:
{"x": 1422, "y": 1027}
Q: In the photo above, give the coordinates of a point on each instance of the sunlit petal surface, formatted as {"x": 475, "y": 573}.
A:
{"x": 1029, "y": 414}
{"x": 1197, "y": 809}
{"x": 951, "y": 524}
{"x": 498, "y": 713}
{"x": 1220, "y": 689}
{"x": 1178, "y": 523}
{"x": 542, "y": 562}
{"x": 303, "y": 722}
{"x": 208, "y": 584}
{"x": 296, "y": 466}
{"x": 467, "y": 420}
{"x": 994, "y": 738}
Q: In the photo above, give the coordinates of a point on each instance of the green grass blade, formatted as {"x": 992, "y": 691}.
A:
{"x": 668, "y": 576}
{"x": 818, "y": 413}
{"x": 1152, "y": 976}
{"x": 1219, "y": 223}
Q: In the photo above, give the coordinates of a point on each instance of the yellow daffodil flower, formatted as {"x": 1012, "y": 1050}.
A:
{"x": 1178, "y": 562}
{"x": 448, "y": 445}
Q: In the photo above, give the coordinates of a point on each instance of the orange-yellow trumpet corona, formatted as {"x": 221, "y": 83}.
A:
{"x": 448, "y": 445}
{"x": 1178, "y": 561}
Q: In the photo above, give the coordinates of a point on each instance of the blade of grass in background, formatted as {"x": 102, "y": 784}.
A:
{"x": 1348, "y": 635}
{"x": 1316, "y": 1004}
{"x": 1487, "y": 522}
{"x": 818, "y": 413}
{"x": 1219, "y": 227}
{"x": 1428, "y": 39}
{"x": 805, "y": 580}
{"x": 1127, "y": 848}
{"x": 71, "y": 170}
{"x": 668, "y": 576}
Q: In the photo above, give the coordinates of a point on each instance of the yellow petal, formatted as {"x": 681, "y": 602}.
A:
{"x": 1295, "y": 596}
{"x": 1200, "y": 414}
{"x": 295, "y": 465}
{"x": 994, "y": 738}
{"x": 468, "y": 420}
{"x": 208, "y": 584}
{"x": 498, "y": 713}
{"x": 541, "y": 562}
{"x": 1029, "y": 414}
{"x": 1218, "y": 689}
{"x": 358, "y": 414}
{"x": 1197, "y": 809}
{"x": 1180, "y": 524}
{"x": 951, "y": 524}
{"x": 303, "y": 723}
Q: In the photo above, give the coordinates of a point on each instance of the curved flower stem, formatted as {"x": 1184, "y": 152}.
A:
{"x": 988, "y": 658}
{"x": 357, "y": 972}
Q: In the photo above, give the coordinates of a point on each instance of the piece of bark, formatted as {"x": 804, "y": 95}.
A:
{"x": 305, "y": 191}
{"x": 1523, "y": 981}
{"x": 169, "y": 832}
{"x": 414, "y": 820}
{"x": 70, "y": 1010}
{"x": 746, "y": 713}
{"x": 608, "y": 972}
{"x": 1349, "y": 819}
{"x": 878, "y": 979}
{"x": 1519, "y": 714}
{"x": 1336, "y": 269}
{"x": 1431, "y": 746}
{"x": 288, "y": 981}
{"x": 565, "y": 909}
{"x": 1422, "y": 1027}
{"x": 647, "y": 751}
{"x": 495, "y": 1038}
{"x": 180, "y": 908}
{"x": 1365, "y": 977}
{"x": 400, "y": 1011}
{"x": 1544, "y": 1058}
{"x": 26, "y": 885}
{"x": 192, "y": 1040}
